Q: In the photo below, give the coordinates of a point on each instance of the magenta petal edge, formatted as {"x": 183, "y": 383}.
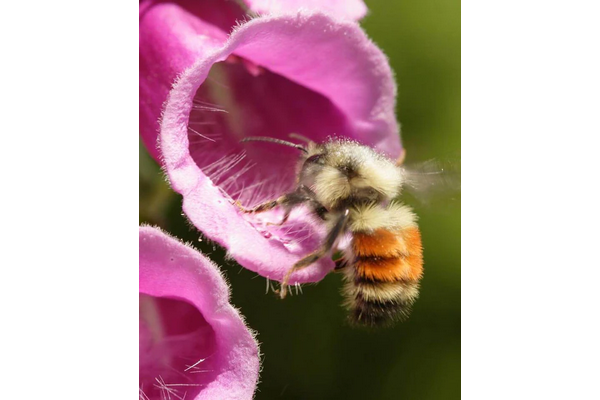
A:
{"x": 193, "y": 342}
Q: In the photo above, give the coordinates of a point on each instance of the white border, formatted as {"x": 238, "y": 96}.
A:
{"x": 70, "y": 178}
{"x": 530, "y": 224}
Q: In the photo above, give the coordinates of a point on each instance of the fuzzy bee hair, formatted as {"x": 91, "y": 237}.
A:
{"x": 344, "y": 172}
{"x": 352, "y": 189}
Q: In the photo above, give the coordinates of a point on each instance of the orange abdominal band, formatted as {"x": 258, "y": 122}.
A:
{"x": 388, "y": 256}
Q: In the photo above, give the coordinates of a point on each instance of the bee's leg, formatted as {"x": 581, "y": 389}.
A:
{"x": 300, "y": 137}
{"x": 401, "y": 158}
{"x": 340, "y": 264}
{"x": 315, "y": 207}
{"x": 288, "y": 211}
{"x": 268, "y": 205}
{"x": 289, "y": 201}
{"x": 340, "y": 261}
{"x": 330, "y": 240}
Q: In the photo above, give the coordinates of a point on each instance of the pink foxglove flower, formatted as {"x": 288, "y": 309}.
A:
{"x": 213, "y": 20}
{"x": 307, "y": 73}
{"x": 193, "y": 343}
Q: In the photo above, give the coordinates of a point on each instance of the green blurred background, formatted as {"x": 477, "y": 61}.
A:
{"x": 309, "y": 352}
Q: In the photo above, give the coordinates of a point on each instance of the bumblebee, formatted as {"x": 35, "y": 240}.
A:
{"x": 353, "y": 190}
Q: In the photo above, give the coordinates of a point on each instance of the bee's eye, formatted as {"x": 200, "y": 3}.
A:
{"x": 316, "y": 159}
{"x": 374, "y": 193}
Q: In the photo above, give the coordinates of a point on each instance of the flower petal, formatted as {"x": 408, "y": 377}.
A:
{"x": 306, "y": 73}
{"x": 352, "y": 9}
{"x": 163, "y": 56}
{"x": 192, "y": 341}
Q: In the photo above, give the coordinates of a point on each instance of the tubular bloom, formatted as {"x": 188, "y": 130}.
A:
{"x": 208, "y": 23}
{"x": 309, "y": 73}
{"x": 193, "y": 343}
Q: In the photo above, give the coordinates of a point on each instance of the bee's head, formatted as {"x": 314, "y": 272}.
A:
{"x": 344, "y": 172}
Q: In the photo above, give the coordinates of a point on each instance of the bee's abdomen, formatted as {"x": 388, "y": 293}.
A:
{"x": 384, "y": 281}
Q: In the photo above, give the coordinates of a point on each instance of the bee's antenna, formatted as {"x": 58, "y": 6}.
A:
{"x": 300, "y": 137}
{"x": 273, "y": 140}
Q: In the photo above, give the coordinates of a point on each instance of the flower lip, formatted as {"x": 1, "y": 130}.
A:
{"x": 193, "y": 343}
{"x": 352, "y": 9}
{"x": 318, "y": 77}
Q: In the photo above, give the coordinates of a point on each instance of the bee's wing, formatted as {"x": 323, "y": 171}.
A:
{"x": 433, "y": 180}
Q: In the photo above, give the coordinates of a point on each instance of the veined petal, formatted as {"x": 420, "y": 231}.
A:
{"x": 193, "y": 343}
